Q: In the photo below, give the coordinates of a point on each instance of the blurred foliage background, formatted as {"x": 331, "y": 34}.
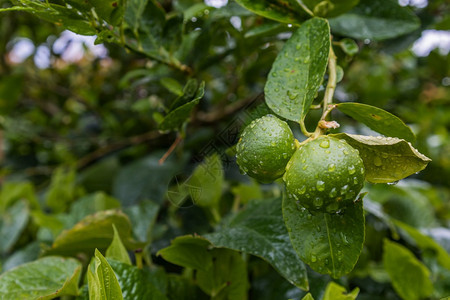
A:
{"x": 80, "y": 121}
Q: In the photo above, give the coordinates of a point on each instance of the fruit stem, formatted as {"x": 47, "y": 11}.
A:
{"x": 303, "y": 128}
{"x": 329, "y": 92}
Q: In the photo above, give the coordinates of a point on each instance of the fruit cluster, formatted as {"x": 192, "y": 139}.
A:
{"x": 324, "y": 174}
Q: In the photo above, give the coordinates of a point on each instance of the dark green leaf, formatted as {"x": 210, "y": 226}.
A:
{"x": 117, "y": 250}
{"x": 410, "y": 277}
{"x": 286, "y": 11}
{"x": 136, "y": 284}
{"x": 227, "y": 278}
{"x": 133, "y": 12}
{"x": 426, "y": 243}
{"x": 376, "y": 19}
{"x": 378, "y": 120}
{"x": 179, "y": 115}
{"x": 46, "y": 278}
{"x": 206, "y": 183}
{"x": 298, "y": 70}
{"x": 187, "y": 95}
{"x": 62, "y": 189}
{"x": 12, "y": 224}
{"x": 259, "y": 230}
{"x": 386, "y": 159}
{"x": 329, "y": 8}
{"x": 189, "y": 252}
{"x": 102, "y": 281}
{"x": 329, "y": 243}
{"x": 94, "y": 231}
{"x": 336, "y": 292}
{"x": 182, "y": 288}
{"x": 142, "y": 217}
{"x": 26, "y": 254}
{"x": 90, "y": 204}
{"x": 172, "y": 85}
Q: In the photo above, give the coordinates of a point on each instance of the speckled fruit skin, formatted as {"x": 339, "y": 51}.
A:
{"x": 324, "y": 175}
{"x": 265, "y": 147}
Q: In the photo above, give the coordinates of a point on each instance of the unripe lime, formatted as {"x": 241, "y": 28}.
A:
{"x": 324, "y": 175}
{"x": 265, "y": 147}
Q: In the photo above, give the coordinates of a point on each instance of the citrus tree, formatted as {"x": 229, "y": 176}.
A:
{"x": 223, "y": 150}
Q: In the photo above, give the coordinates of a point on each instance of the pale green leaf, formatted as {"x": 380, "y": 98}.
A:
{"x": 46, "y": 278}
{"x": 410, "y": 277}
{"x": 328, "y": 243}
{"x": 12, "y": 224}
{"x": 378, "y": 120}
{"x": 117, "y": 250}
{"x": 386, "y": 159}
{"x": 102, "y": 281}
{"x": 336, "y": 292}
{"x": 298, "y": 70}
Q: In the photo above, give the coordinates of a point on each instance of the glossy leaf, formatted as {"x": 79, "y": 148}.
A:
{"x": 12, "y": 224}
{"x": 46, "y": 278}
{"x": 179, "y": 115}
{"x": 378, "y": 120}
{"x": 336, "y": 292}
{"x": 189, "y": 252}
{"x": 226, "y": 278}
{"x": 376, "y": 19}
{"x": 172, "y": 85}
{"x": 386, "y": 159}
{"x": 349, "y": 46}
{"x": 102, "y": 281}
{"x": 136, "y": 284}
{"x": 187, "y": 95}
{"x": 206, "y": 183}
{"x": 259, "y": 230}
{"x": 410, "y": 277}
{"x": 328, "y": 243}
{"x": 329, "y": 8}
{"x": 286, "y": 11}
{"x": 425, "y": 242}
{"x": 298, "y": 70}
{"x": 117, "y": 250}
{"x": 142, "y": 217}
{"x": 308, "y": 297}
{"x": 94, "y": 231}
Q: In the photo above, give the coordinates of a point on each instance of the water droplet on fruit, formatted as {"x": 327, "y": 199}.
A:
{"x": 344, "y": 189}
{"x": 309, "y": 216}
{"x": 331, "y": 167}
{"x": 355, "y": 180}
{"x": 351, "y": 170}
{"x": 384, "y": 155}
{"x": 298, "y": 46}
{"x": 318, "y": 228}
{"x": 305, "y": 167}
{"x": 313, "y": 258}
{"x": 320, "y": 185}
{"x": 332, "y": 208}
{"x": 377, "y": 161}
{"x": 273, "y": 144}
{"x": 325, "y": 144}
{"x": 345, "y": 152}
{"x": 302, "y": 190}
{"x": 274, "y": 74}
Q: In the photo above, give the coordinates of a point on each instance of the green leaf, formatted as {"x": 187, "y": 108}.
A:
{"x": 46, "y": 278}
{"x": 247, "y": 192}
{"x": 227, "y": 278}
{"x": 187, "y": 95}
{"x": 102, "y": 281}
{"x": 62, "y": 189}
{"x": 172, "y": 85}
{"x": 92, "y": 203}
{"x": 336, "y": 292}
{"x": 26, "y": 254}
{"x": 142, "y": 217}
{"x": 410, "y": 277}
{"x": 426, "y": 243}
{"x": 349, "y": 46}
{"x": 386, "y": 159}
{"x": 298, "y": 70}
{"x": 206, "y": 183}
{"x": 12, "y": 224}
{"x": 136, "y": 284}
{"x": 329, "y": 8}
{"x": 133, "y": 12}
{"x": 308, "y": 297}
{"x": 117, "y": 250}
{"x": 376, "y": 19}
{"x": 285, "y": 11}
{"x": 188, "y": 251}
{"x": 259, "y": 230}
{"x": 328, "y": 243}
{"x": 13, "y": 191}
{"x": 179, "y": 115}
{"x": 94, "y": 231}
{"x": 182, "y": 288}
{"x": 378, "y": 120}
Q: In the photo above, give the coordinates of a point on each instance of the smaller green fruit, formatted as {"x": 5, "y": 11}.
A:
{"x": 264, "y": 149}
{"x": 324, "y": 175}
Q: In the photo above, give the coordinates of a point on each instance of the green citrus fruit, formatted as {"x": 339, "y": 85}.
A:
{"x": 265, "y": 147}
{"x": 324, "y": 175}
